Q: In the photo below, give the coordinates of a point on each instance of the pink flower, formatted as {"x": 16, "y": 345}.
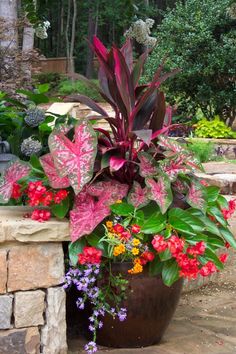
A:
{"x": 175, "y": 245}
{"x": 90, "y": 255}
{"x": 146, "y": 257}
{"x": 223, "y": 257}
{"x": 40, "y": 215}
{"x": 118, "y": 228}
{"x": 208, "y": 269}
{"x": 196, "y": 250}
{"x": 135, "y": 229}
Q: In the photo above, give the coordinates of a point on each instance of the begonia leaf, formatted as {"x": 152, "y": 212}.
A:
{"x": 15, "y": 171}
{"x": 55, "y": 180}
{"x": 160, "y": 192}
{"x": 75, "y": 159}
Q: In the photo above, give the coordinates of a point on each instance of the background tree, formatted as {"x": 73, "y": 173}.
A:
{"x": 199, "y": 37}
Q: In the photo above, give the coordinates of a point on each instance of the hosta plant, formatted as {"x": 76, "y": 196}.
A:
{"x": 130, "y": 192}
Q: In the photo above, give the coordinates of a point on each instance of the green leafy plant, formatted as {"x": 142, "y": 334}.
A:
{"x": 205, "y": 151}
{"x": 206, "y": 56}
{"x": 215, "y": 128}
{"x": 68, "y": 87}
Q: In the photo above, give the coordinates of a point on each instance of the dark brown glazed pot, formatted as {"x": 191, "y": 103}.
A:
{"x": 150, "y": 306}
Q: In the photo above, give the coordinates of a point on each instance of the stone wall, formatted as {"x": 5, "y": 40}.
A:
{"x": 32, "y": 301}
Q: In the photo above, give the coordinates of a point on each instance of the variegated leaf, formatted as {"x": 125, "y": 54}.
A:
{"x": 179, "y": 186}
{"x": 147, "y": 166}
{"x": 75, "y": 159}
{"x": 170, "y": 145}
{"x": 195, "y": 197}
{"x": 138, "y": 196}
{"x": 172, "y": 167}
{"x": 55, "y": 180}
{"x": 15, "y": 171}
{"x": 160, "y": 192}
{"x": 92, "y": 206}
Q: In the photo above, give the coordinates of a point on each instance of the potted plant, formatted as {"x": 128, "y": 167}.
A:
{"x": 140, "y": 220}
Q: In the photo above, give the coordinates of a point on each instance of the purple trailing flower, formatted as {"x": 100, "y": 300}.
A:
{"x": 91, "y": 347}
{"x": 122, "y": 314}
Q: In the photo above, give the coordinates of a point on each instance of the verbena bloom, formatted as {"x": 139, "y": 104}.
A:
{"x": 91, "y": 347}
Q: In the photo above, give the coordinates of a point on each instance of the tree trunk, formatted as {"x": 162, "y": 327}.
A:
{"x": 91, "y": 32}
{"x": 72, "y": 41}
{"x": 8, "y": 39}
{"x": 27, "y": 48}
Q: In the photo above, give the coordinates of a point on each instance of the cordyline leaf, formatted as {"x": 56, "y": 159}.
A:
{"x": 89, "y": 102}
{"x": 123, "y": 80}
{"x": 160, "y": 192}
{"x": 158, "y": 115}
{"x": 147, "y": 166}
{"x": 145, "y": 135}
{"x": 55, "y": 180}
{"x": 144, "y": 113}
{"x": 127, "y": 51}
{"x": 92, "y": 206}
{"x": 75, "y": 159}
{"x": 138, "y": 196}
{"x": 15, "y": 171}
{"x": 195, "y": 197}
{"x": 116, "y": 163}
{"x": 138, "y": 69}
{"x": 168, "y": 116}
{"x": 100, "y": 49}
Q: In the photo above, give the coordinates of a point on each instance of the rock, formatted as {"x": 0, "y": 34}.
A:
{"x": 219, "y": 167}
{"x": 3, "y": 271}
{"x": 20, "y": 341}
{"x": 28, "y": 308}
{"x": 35, "y": 266}
{"x": 5, "y": 311}
{"x": 14, "y": 227}
{"x": 214, "y": 181}
{"x": 53, "y": 334}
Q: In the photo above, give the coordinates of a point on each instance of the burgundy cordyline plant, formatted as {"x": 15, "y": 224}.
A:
{"x": 169, "y": 219}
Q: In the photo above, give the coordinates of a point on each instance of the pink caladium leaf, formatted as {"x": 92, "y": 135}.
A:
{"x": 179, "y": 186}
{"x": 172, "y": 167}
{"x": 138, "y": 196}
{"x": 160, "y": 191}
{"x": 195, "y": 196}
{"x": 55, "y": 180}
{"x": 75, "y": 159}
{"x": 116, "y": 163}
{"x": 92, "y": 206}
{"x": 147, "y": 166}
{"x": 15, "y": 171}
{"x": 171, "y": 146}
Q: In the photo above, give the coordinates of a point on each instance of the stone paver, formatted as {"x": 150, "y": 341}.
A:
{"x": 204, "y": 323}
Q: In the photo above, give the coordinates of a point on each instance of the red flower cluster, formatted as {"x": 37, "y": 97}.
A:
{"x": 227, "y": 213}
{"x": 90, "y": 255}
{"x": 188, "y": 263}
{"x": 40, "y": 215}
{"x": 146, "y": 257}
{"x": 39, "y": 195}
{"x": 135, "y": 229}
{"x": 16, "y": 192}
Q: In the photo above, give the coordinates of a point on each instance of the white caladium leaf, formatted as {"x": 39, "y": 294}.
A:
{"x": 15, "y": 171}
{"x": 147, "y": 165}
{"x": 92, "y": 206}
{"x": 160, "y": 191}
{"x": 171, "y": 145}
{"x": 75, "y": 159}
{"x": 195, "y": 197}
{"x": 138, "y": 196}
{"x": 55, "y": 180}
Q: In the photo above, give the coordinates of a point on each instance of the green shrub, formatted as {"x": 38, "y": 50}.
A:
{"x": 51, "y": 78}
{"x": 213, "y": 129}
{"x": 68, "y": 87}
{"x": 204, "y": 151}
{"x": 199, "y": 38}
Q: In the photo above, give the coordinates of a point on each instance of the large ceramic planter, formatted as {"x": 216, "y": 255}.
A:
{"x": 150, "y": 306}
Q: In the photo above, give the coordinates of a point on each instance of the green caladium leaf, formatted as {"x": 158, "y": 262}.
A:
{"x": 211, "y": 193}
{"x": 160, "y": 191}
{"x": 170, "y": 272}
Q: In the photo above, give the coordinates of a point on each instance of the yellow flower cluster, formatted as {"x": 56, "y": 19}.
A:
{"x": 137, "y": 268}
{"x": 135, "y": 251}
{"x": 109, "y": 225}
{"x": 118, "y": 201}
{"x": 118, "y": 250}
{"x": 136, "y": 242}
